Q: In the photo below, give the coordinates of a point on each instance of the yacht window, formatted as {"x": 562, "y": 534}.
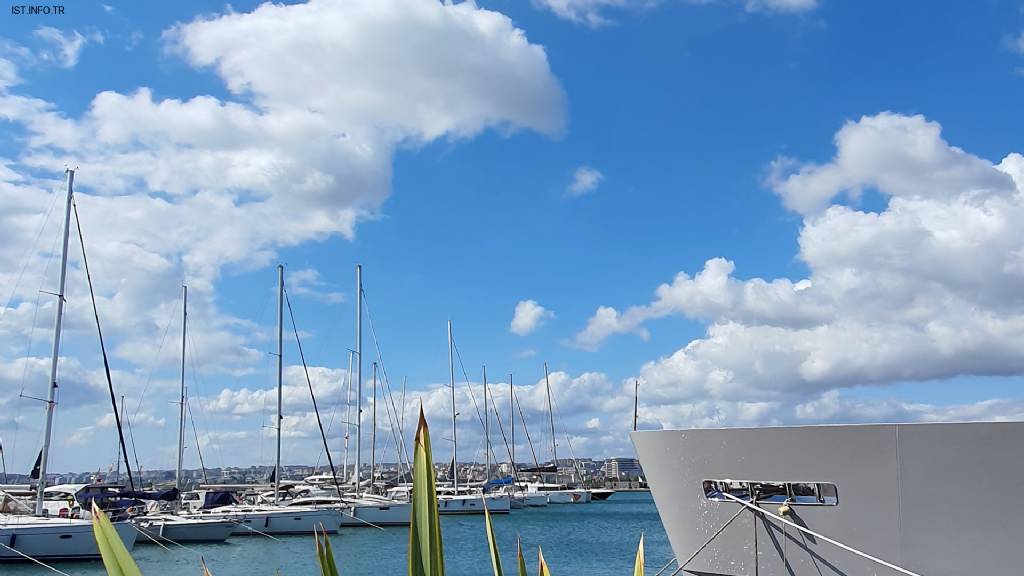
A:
{"x": 795, "y": 493}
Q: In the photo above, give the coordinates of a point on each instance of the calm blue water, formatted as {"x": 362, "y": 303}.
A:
{"x": 597, "y": 539}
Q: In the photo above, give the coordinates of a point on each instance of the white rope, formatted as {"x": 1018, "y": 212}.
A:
{"x": 778, "y": 518}
{"x": 23, "y": 555}
{"x": 705, "y": 545}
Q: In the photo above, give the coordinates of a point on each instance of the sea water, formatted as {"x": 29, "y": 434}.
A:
{"x": 595, "y": 539}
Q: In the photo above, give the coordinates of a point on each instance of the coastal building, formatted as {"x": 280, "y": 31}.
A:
{"x": 623, "y": 468}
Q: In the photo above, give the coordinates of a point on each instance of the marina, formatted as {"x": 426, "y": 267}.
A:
{"x": 602, "y": 544}
{"x": 535, "y": 287}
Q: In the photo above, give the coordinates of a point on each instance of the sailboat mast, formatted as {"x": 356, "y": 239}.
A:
{"x": 636, "y": 400}
{"x": 373, "y": 429}
{"x": 512, "y": 423}
{"x": 280, "y": 377}
{"x": 455, "y": 444}
{"x": 487, "y": 433}
{"x": 359, "y": 371}
{"x": 50, "y": 404}
{"x": 348, "y": 416}
{"x": 181, "y": 406}
{"x": 551, "y": 420}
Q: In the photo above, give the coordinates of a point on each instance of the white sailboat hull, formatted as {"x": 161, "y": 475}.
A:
{"x": 474, "y": 504}
{"x": 568, "y": 496}
{"x": 281, "y": 521}
{"x": 50, "y": 539}
{"x": 378, "y": 514}
{"x": 180, "y": 529}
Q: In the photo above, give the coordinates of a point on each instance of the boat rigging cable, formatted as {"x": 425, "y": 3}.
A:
{"x": 526, "y": 429}
{"x": 103, "y": 349}
{"x": 472, "y": 396}
{"x": 195, "y": 434}
{"x": 305, "y": 369}
{"x": 27, "y": 557}
{"x": 389, "y": 407}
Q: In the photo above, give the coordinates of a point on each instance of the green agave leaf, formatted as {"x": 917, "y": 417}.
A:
{"x": 426, "y": 552}
{"x": 519, "y": 557}
{"x": 542, "y": 566}
{"x": 325, "y": 554}
{"x": 116, "y": 558}
{"x": 638, "y": 565}
{"x": 492, "y": 544}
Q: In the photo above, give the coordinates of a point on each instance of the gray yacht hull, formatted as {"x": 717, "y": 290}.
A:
{"x": 938, "y": 499}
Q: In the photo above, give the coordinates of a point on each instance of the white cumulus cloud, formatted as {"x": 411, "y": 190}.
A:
{"x": 528, "y": 316}
{"x": 927, "y": 288}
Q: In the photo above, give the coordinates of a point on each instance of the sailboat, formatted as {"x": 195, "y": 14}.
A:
{"x": 556, "y": 492}
{"x": 360, "y": 508}
{"x": 27, "y": 533}
{"x": 274, "y": 519}
{"x": 168, "y": 526}
{"x": 452, "y": 499}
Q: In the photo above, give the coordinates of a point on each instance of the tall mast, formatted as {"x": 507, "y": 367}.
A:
{"x": 280, "y": 375}
{"x": 359, "y": 370}
{"x": 373, "y": 429}
{"x": 636, "y": 400}
{"x": 181, "y": 406}
{"x": 512, "y": 423}
{"x": 348, "y": 416}
{"x": 455, "y": 444}
{"x": 487, "y": 433}
{"x": 551, "y": 420}
{"x": 50, "y": 404}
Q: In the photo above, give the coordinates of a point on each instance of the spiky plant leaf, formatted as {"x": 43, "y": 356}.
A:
{"x": 519, "y": 557}
{"x": 542, "y": 566}
{"x": 638, "y": 565}
{"x": 325, "y": 554}
{"x": 426, "y": 552}
{"x": 492, "y": 544}
{"x": 116, "y": 558}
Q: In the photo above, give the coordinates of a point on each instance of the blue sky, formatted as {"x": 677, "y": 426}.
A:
{"x": 711, "y": 130}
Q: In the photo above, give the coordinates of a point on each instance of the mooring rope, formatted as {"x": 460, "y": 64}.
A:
{"x": 665, "y": 567}
{"x": 836, "y": 543}
{"x": 26, "y": 556}
{"x": 705, "y": 544}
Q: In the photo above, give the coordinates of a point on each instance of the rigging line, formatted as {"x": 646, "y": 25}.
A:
{"x": 330, "y": 426}
{"x": 27, "y": 557}
{"x": 156, "y": 360}
{"x": 28, "y": 256}
{"x": 131, "y": 436}
{"x": 472, "y": 396}
{"x": 195, "y": 434}
{"x": 195, "y": 386}
{"x": 103, "y": 349}
{"x": 705, "y": 544}
{"x": 568, "y": 440}
{"x": 504, "y": 439}
{"x": 387, "y": 387}
{"x": 526, "y": 428}
{"x": 305, "y": 369}
{"x": 24, "y": 372}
